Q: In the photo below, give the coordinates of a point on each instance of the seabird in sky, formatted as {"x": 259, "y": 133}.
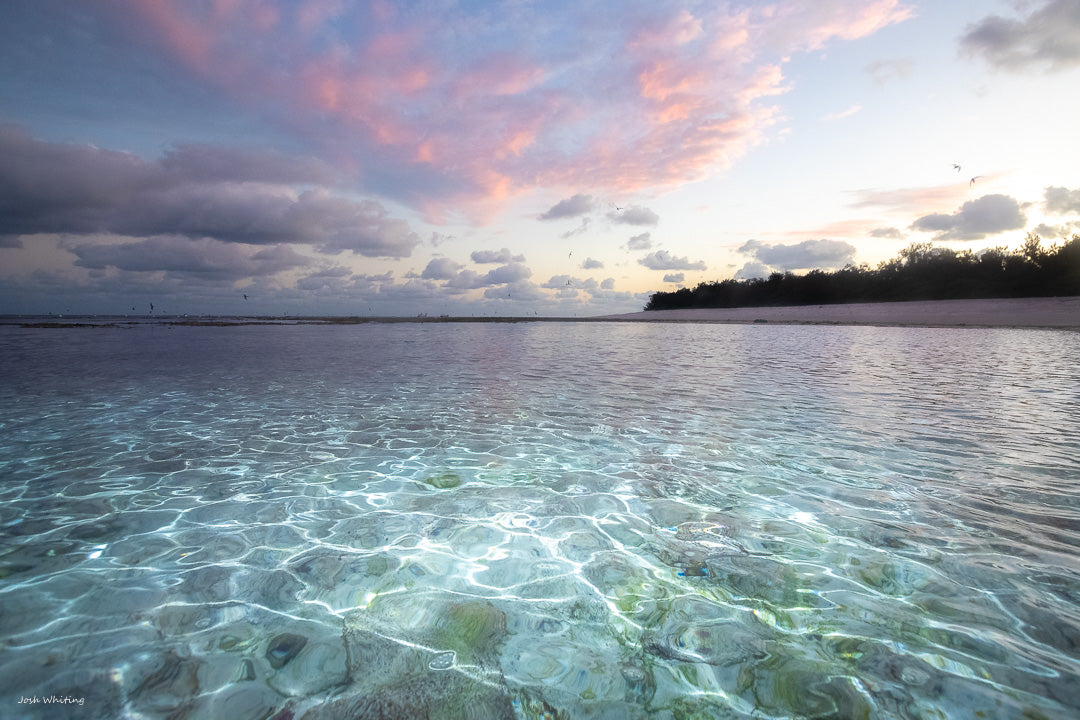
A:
{"x": 956, "y": 167}
{"x": 972, "y": 183}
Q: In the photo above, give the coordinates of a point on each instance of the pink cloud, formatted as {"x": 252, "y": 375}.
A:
{"x": 313, "y": 13}
{"x": 467, "y": 112}
{"x": 499, "y": 75}
{"x": 680, "y": 29}
{"x": 856, "y": 229}
{"x": 810, "y": 24}
{"x": 866, "y": 21}
{"x": 917, "y": 200}
{"x": 183, "y": 35}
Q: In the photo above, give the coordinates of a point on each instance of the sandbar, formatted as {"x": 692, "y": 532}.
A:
{"x": 1053, "y": 312}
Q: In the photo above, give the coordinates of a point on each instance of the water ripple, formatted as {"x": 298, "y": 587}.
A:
{"x": 586, "y": 520}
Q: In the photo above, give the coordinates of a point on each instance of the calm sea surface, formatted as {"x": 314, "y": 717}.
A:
{"x": 539, "y": 520}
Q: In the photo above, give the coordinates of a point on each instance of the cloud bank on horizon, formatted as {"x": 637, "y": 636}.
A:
{"x": 337, "y": 156}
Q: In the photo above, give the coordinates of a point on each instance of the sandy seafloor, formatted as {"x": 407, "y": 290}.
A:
{"x": 1056, "y": 312}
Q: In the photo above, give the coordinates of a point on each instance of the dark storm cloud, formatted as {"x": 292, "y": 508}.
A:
{"x": 204, "y": 257}
{"x": 663, "y": 260}
{"x": 204, "y": 163}
{"x": 237, "y": 197}
{"x": 496, "y": 256}
{"x": 1049, "y": 37}
{"x": 47, "y": 187}
{"x": 1062, "y": 201}
{"x": 975, "y": 219}
{"x": 635, "y": 215}
{"x": 570, "y": 207}
{"x": 808, "y": 254}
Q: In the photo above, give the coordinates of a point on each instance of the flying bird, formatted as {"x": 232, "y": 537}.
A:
{"x": 956, "y": 167}
{"x": 245, "y": 296}
{"x": 972, "y": 183}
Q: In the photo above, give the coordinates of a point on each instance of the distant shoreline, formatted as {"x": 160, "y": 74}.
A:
{"x": 1054, "y": 313}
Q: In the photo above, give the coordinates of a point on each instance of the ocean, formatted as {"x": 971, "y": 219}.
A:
{"x": 531, "y": 520}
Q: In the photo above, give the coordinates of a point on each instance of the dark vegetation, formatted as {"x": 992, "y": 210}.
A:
{"x": 920, "y": 272}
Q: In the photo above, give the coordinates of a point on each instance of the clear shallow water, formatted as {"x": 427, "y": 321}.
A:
{"x": 540, "y": 520}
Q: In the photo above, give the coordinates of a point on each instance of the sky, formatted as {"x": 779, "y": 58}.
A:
{"x": 517, "y": 158}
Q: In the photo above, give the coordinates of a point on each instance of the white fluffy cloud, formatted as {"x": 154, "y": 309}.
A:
{"x": 495, "y": 256}
{"x": 806, "y": 255}
{"x": 636, "y": 215}
{"x": 570, "y": 207}
{"x": 504, "y": 274}
{"x": 507, "y": 274}
{"x": 333, "y": 279}
{"x": 440, "y": 269}
{"x": 890, "y": 233}
{"x": 753, "y": 269}
{"x": 883, "y": 71}
{"x": 1062, "y": 201}
{"x": 975, "y": 219}
{"x": 1056, "y": 232}
{"x": 664, "y": 260}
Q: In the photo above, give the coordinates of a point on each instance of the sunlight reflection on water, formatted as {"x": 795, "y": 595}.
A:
{"x": 598, "y": 520}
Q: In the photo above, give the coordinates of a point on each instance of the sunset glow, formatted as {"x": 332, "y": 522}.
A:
{"x": 323, "y": 156}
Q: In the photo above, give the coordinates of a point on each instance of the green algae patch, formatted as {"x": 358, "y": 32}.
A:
{"x": 443, "y": 481}
{"x": 474, "y": 630}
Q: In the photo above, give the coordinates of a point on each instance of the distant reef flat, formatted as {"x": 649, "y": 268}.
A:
{"x": 1055, "y": 312}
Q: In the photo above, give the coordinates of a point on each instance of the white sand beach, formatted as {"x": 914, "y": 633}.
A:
{"x": 1059, "y": 312}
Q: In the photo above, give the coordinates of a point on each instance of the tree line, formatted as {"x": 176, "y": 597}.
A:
{"x": 920, "y": 272}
